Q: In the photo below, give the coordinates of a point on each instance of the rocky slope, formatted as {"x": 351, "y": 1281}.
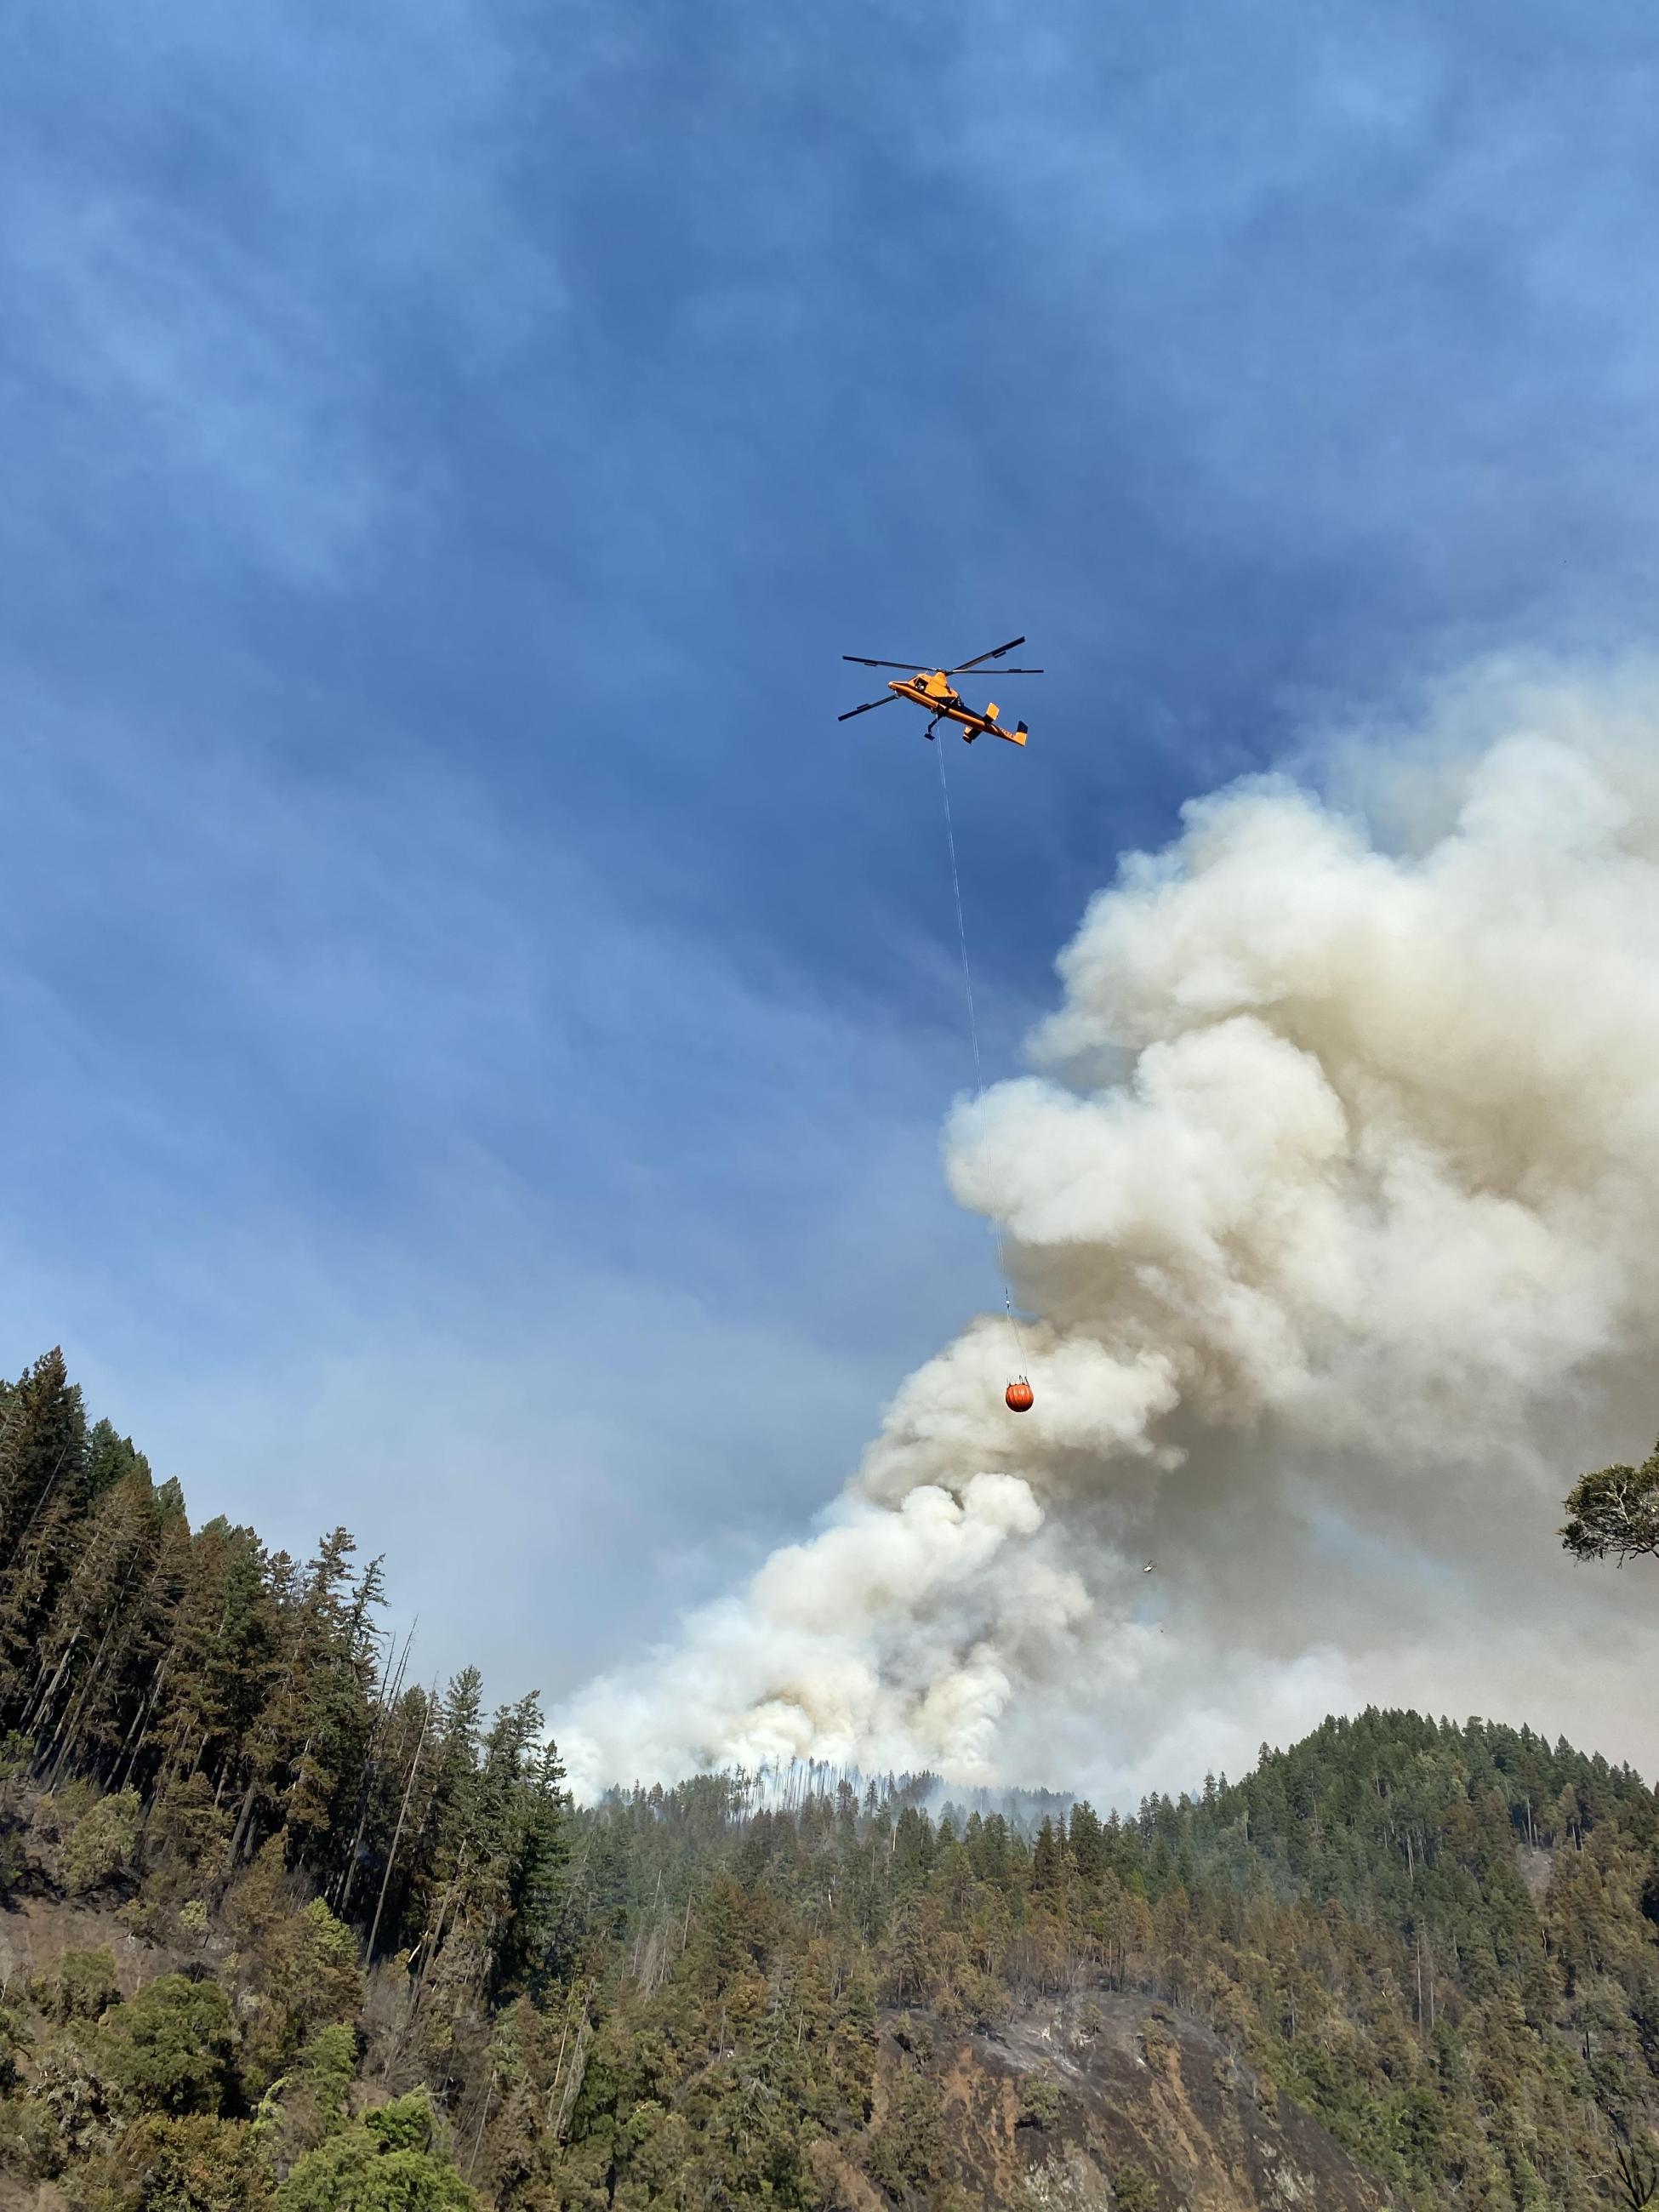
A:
{"x": 1103, "y": 2101}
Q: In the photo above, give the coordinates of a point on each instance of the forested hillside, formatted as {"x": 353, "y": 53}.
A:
{"x": 279, "y": 1924}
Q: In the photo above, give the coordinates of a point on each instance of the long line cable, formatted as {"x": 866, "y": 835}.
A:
{"x": 961, "y": 926}
{"x": 973, "y": 1032}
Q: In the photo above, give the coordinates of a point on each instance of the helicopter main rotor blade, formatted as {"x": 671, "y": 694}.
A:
{"x": 866, "y": 707}
{"x": 995, "y": 654}
{"x": 995, "y": 671}
{"x": 863, "y": 663}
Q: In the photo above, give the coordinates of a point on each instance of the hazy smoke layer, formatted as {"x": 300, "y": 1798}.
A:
{"x": 1337, "y": 1193}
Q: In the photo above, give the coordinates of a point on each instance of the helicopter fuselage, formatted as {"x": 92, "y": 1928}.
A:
{"x": 934, "y": 692}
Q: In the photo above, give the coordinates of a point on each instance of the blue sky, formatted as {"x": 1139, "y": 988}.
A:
{"x": 476, "y": 1028}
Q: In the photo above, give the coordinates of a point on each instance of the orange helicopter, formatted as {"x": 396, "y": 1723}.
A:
{"x": 933, "y": 690}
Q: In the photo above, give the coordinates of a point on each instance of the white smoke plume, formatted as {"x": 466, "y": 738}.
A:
{"x": 1335, "y": 1191}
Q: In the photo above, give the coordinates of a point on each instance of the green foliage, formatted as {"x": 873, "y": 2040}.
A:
{"x": 14, "y": 1865}
{"x": 406, "y": 2124}
{"x": 79, "y": 1987}
{"x": 298, "y": 1970}
{"x": 168, "y": 2049}
{"x": 1133, "y": 2190}
{"x": 192, "y": 2164}
{"x": 1039, "y": 2102}
{"x": 102, "y": 1842}
{"x": 15, "y": 2038}
{"x": 905, "y": 2150}
{"x": 324, "y": 2072}
{"x": 31, "y": 2142}
{"x": 71, "y": 2093}
{"x": 112, "y": 1459}
{"x": 1615, "y": 1511}
{"x": 393, "y": 2162}
{"x": 308, "y": 2103}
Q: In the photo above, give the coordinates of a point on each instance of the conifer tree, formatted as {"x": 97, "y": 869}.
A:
{"x": 43, "y": 1484}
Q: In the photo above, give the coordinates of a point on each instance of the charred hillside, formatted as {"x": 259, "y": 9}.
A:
{"x": 276, "y": 1925}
